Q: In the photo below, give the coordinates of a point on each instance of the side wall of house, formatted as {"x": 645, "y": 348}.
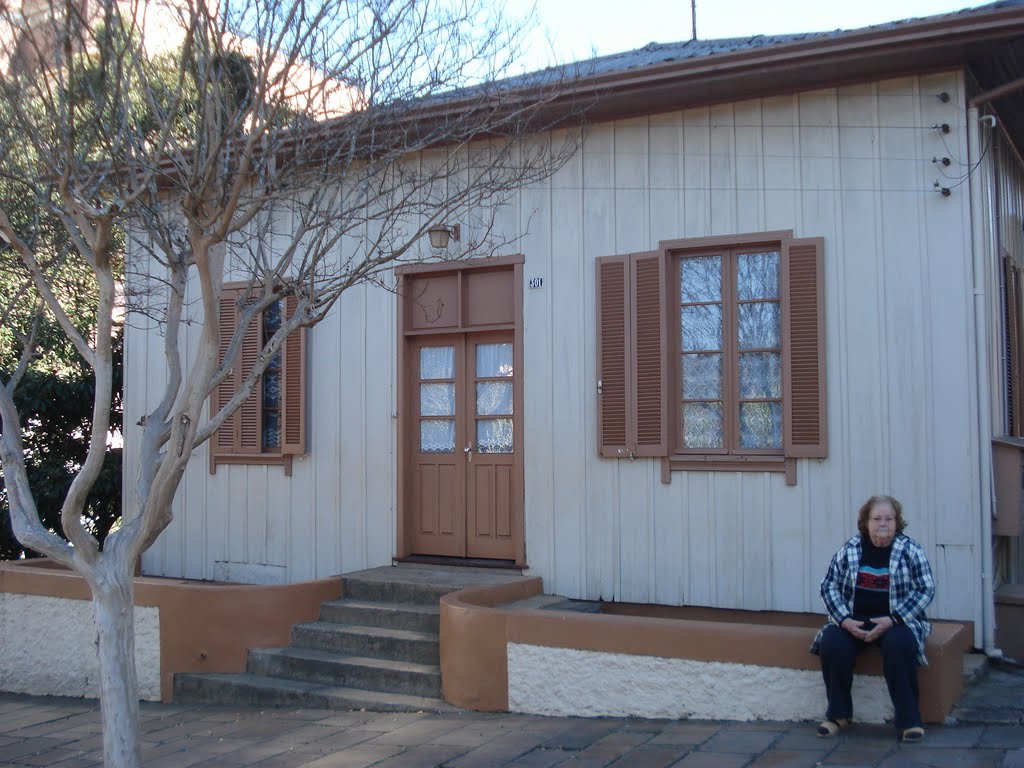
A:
{"x": 851, "y": 164}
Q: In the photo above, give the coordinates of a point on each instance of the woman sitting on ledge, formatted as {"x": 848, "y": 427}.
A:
{"x": 875, "y": 591}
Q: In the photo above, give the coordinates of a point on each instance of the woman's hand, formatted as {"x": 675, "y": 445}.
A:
{"x": 882, "y": 625}
{"x": 854, "y": 628}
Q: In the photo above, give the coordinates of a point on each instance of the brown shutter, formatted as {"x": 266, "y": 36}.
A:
{"x": 806, "y": 433}
{"x": 293, "y": 387}
{"x": 649, "y": 353}
{"x": 225, "y": 440}
{"x": 250, "y": 414}
{"x": 613, "y": 296}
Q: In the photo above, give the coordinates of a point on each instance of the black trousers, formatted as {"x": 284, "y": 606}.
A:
{"x": 839, "y": 650}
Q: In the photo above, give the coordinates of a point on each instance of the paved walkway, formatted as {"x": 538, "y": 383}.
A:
{"x": 46, "y": 731}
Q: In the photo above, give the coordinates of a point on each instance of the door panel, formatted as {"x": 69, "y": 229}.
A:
{"x": 489, "y": 492}
{"x": 464, "y": 495}
{"x": 436, "y": 503}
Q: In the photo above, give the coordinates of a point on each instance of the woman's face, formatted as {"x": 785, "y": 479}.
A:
{"x": 882, "y": 524}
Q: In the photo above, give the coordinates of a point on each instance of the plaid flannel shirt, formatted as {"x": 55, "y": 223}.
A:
{"x": 911, "y": 587}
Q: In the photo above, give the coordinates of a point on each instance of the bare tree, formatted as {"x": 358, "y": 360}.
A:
{"x": 305, "y": 147}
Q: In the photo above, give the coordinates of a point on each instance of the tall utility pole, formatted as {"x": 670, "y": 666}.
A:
{"x": 693, "y": 9}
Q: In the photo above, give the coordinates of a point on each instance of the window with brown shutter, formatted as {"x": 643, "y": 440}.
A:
{"x": 711, "y": 353}
{"x": 270, "y": 425}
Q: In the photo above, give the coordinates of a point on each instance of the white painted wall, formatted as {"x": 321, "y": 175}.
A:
{"x": 851, "y": 164}
{"x": 568, "y": 682}
{"x": 48, "y": 647}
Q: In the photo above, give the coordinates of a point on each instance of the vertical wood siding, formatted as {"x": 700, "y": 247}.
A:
{"x": 852, "y": 165}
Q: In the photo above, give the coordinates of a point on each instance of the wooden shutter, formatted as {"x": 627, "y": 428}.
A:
{"x": 250, "y": 414}
{"x": 650, "y": 366}
{"x": 613, "y": 296}
{"x": 293, "y": 387}
{"x": 806, "y": 433}
{"x": 226, "y": 438}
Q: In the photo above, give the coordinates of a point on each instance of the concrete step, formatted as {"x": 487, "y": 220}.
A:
{"x": 325, "y": 668}
{"x": 393, "y": 590}
{"x": 377, "y": 642}
{"x": 264, "y": 691}
{"x": 410, "y": 616}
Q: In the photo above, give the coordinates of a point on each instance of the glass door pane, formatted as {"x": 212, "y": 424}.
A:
{"x": 494, "y": 398}
{"x": 437, "y": 399}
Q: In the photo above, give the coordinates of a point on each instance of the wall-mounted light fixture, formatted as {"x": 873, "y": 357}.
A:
{"x": 441, "y": 234}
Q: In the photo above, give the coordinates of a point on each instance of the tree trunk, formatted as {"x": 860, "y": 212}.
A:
{"x": 113, "y": 603}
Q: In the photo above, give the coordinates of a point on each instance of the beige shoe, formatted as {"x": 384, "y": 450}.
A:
{"x": 829, "y": 728}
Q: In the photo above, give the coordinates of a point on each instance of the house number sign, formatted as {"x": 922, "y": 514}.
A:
{"x": 536, "y": 282}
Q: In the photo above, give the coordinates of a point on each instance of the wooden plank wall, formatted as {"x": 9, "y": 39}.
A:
{"x": 853, "y": 165}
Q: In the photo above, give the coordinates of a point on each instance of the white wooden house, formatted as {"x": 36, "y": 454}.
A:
{"x": 781, "y": 274}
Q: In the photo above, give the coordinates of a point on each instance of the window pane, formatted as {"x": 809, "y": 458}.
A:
{"x": 702, "y": 327}
{"x": 757, "y": 276}
{"x": 702, "y": 425}
{"x": 760, "y": 325}
{"x": 437, "y": 399}
{"x": 493, "y": 398}
{"x": 494, "y": 436}
{"x": 272, "y": 319}
{"x": 761, "y": 425}
{"x": 493, "y": 360}
{"x": 700, "y": 279}
{"x": 437, "y": 436}
{"x": 702, "y": 377}
{"x": 271, "y": 430}
{"x": 271, "y": 389}
{"x": 760, "y": 375}
{"x": 437, "y": 363}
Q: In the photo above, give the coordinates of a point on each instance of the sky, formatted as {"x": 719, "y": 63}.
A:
{"x": 569, "y": 30}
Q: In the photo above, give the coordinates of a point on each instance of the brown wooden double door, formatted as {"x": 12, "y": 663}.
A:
{"x": 463, "y": 474}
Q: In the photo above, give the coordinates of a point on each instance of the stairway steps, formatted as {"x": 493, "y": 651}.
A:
{"x": 325, "y": 668}
{"x": 388, "y": 591}
{"x": 347, "y": 639}
{"x": 411, "y": 616}
{"x": 258, "y": 690}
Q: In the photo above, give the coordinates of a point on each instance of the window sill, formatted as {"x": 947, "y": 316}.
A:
{"x": 723, "y": 463}
{"x": 271, "y": 459}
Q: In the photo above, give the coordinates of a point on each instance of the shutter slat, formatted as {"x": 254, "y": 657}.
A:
{"x": 806, "y": 433}
{"x": 612, "y": 342}
{"x": 293, "y": 390}
{"x": 649, "y": 353}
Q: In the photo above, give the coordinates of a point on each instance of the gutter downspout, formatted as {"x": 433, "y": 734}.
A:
{"x": 980, "y": 253}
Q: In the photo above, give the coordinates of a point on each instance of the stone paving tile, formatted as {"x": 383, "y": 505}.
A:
{"x": 20, "y": 749}
{"x": 648, "y": 756}
{"x": 48, "y": 757}
{"x": 608, "y": 749}
{"x": 581, "y": 734}
{"x": 740, "y": 740}
{"x": 793, "y": 758}
{"x": 1003, "y": 736}
{"x": 425, "y": 731}
{"x": 390, "y": 721}
{"x": 713, "y": 760}
{"x": 359, "y": 756}
{"x": 1014, "y": 759}
{"x": 335, "y": 742}
{"x": 802, "y": 737}
{"x": 541, "y": 757}
{"x": 687, "y": 732}
{"x": 500, "y": 750}
{"x": 426, "y": 756}
{"x": 943, "y": 758}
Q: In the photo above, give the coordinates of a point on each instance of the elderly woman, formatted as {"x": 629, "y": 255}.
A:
{"x": 875, "y": 592}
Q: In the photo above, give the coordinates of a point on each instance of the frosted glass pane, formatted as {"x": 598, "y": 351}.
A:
{"x": 757, "y": 276}
{"x": 493, "y": 360}
{"x": 271, "y": 430}
{"x": 437, "y": 436}
{"x": 494, "y": 435}
{"x": 437, "y": 362}
{"x": 702, "y": 425}
{"x": 271, "y": 389}
{"x": 702, "y": 377}
{"x": 760, "y": 375}
{"x": 760, "y": 325}
{"x": 760, "y": 425}
{"x": 437, "y": 399}
{"x": 700, "y": 279}
{"x": 493, "y": 398}
{"x": 702, "y": 327}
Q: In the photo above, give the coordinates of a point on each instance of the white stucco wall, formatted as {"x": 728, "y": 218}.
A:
{"x": 48, "y": 647}
{"x": 570, "y": 682}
